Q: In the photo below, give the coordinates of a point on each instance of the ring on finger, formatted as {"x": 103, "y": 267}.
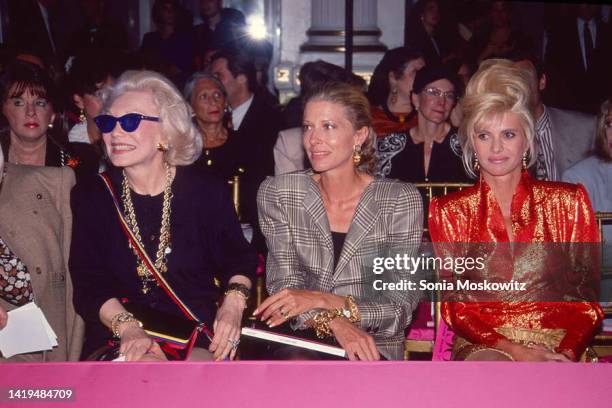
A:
{"x": 234, "y": 343}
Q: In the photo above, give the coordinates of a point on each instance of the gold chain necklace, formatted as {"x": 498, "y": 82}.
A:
{"x": 164, "y": 248}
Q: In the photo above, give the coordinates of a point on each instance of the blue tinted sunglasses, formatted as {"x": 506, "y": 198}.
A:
{"x": 129, "y": 122}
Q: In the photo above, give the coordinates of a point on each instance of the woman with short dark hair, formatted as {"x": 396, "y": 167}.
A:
{"x": 35, "y": 134}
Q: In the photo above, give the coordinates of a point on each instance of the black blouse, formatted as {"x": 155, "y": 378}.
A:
{"x": 405, "y": 160}
{"x": 206, "y": 241}
{"x": 224, "y": 161}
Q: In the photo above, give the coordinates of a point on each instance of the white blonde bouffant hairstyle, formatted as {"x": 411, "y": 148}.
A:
{"x": 499, "y": 86}
{"x": 184, "y": 140}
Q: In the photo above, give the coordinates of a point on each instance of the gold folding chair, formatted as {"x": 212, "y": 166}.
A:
{"x": 602, "y": 343}
{"x": 429, "y": 191}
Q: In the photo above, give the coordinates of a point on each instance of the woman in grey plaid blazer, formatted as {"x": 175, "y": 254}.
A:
{"x": 325, "y": 227}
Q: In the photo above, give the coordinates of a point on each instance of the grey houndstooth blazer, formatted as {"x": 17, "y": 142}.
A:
{"x": 388, "y": 221}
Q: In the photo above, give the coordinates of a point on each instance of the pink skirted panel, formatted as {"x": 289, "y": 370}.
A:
{"x": 422, "y": 326}
{"x": 315, "y": 384}
{"x": 443, "y": 346}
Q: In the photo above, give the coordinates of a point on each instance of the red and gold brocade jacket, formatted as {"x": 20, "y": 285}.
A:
{"x": 541, "y": 212}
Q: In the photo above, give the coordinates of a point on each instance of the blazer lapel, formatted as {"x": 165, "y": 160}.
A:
{"x": 366, "y": 215}
{"x": 313, "y": 203}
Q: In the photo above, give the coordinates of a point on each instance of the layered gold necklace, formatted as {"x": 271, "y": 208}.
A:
{"x": 163, "y": 248}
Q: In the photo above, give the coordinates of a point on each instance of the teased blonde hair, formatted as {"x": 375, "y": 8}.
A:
{"x": 499, "y": 86}
{"x": 184, "y": 140}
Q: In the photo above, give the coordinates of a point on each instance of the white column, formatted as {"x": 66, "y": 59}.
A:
{"x": 326, "y": 33}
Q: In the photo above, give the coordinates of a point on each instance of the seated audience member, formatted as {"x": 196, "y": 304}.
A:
{"x": 34, "y": 253}
{"x": 322, "y": 227}
{"x": 184, "y": 219}
{"x": 98, "y": 29}
{"x": 256, "y": 123}
{"x": 427, "y": 32}
{"x": 312, "y": 74}
{"x": 89, "y": 73}
{"x": 390, "y": 92}
{"x": 34, "y": 136}
{"x": 289, "y": 152}
{"x": 221, "y": 153}
{"x": 578, "y": 60}
{"x": 429, "y": 152}
{"x": 498, "y": 37}
{"x": 595, "y": 173}
{"x": 464, "y": 69}
{"x": 507, "y": 206}
{"x": 222, "y": 27}
{"x": 171, "y": 44}
{"x": 37, "y": 26}
{"x": 562, "y": 137}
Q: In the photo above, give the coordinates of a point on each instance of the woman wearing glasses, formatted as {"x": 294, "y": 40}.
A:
{"x": 184, "y": 220}
{"x": 430, "y": 152}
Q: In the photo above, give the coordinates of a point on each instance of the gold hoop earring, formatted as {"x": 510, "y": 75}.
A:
{"x": 356, "y": 154}
{"x": 476, "y": 164}
{"x": 525, "y": 160}
{"x": 82, "y": 117}
{"x": 162, "y": 147}
{"x": 394, "y": 96}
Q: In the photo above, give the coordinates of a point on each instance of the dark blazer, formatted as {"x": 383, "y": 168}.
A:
{"x": 570, "y": 86}
{"x": 35, "y": 223}
{"x": 27, "y": 30}
{"x": 388, "y": 221}
{"x": 256, "y": 136}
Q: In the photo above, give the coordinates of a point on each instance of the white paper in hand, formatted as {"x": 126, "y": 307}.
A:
{"x": 27, "y": 331}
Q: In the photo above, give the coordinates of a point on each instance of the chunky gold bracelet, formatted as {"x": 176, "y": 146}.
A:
{"x": 320, "y": 322}
{"x": 353, "y": 310}
{"x": 123, "y": 317}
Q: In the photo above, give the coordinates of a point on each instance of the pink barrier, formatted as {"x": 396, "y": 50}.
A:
{"x": 316, "y": 384}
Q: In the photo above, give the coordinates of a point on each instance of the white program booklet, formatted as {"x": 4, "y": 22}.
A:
{"x": 293, "y": 341}
{"x": 27, "y": 331}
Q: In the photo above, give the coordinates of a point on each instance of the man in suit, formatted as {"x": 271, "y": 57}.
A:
{"x": 256, "y": 123}
{"x": 563, "y": 137}
{"x": 36, "y": 226}
{"x": 577, "y": 60}
{"x": 36, "y": 26}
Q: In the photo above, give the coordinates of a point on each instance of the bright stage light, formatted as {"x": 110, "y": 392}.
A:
{"x": 257, "y": 28}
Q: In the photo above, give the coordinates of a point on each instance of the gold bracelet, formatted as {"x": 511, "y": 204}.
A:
{"x": 239, "y": 293}
{"x": 123, "y": 317}
{"x": 353, "y": 311}
{"x": 320, "y": 322}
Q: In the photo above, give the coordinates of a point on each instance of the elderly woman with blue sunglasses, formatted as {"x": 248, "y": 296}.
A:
{"x": 183, "y": 219}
